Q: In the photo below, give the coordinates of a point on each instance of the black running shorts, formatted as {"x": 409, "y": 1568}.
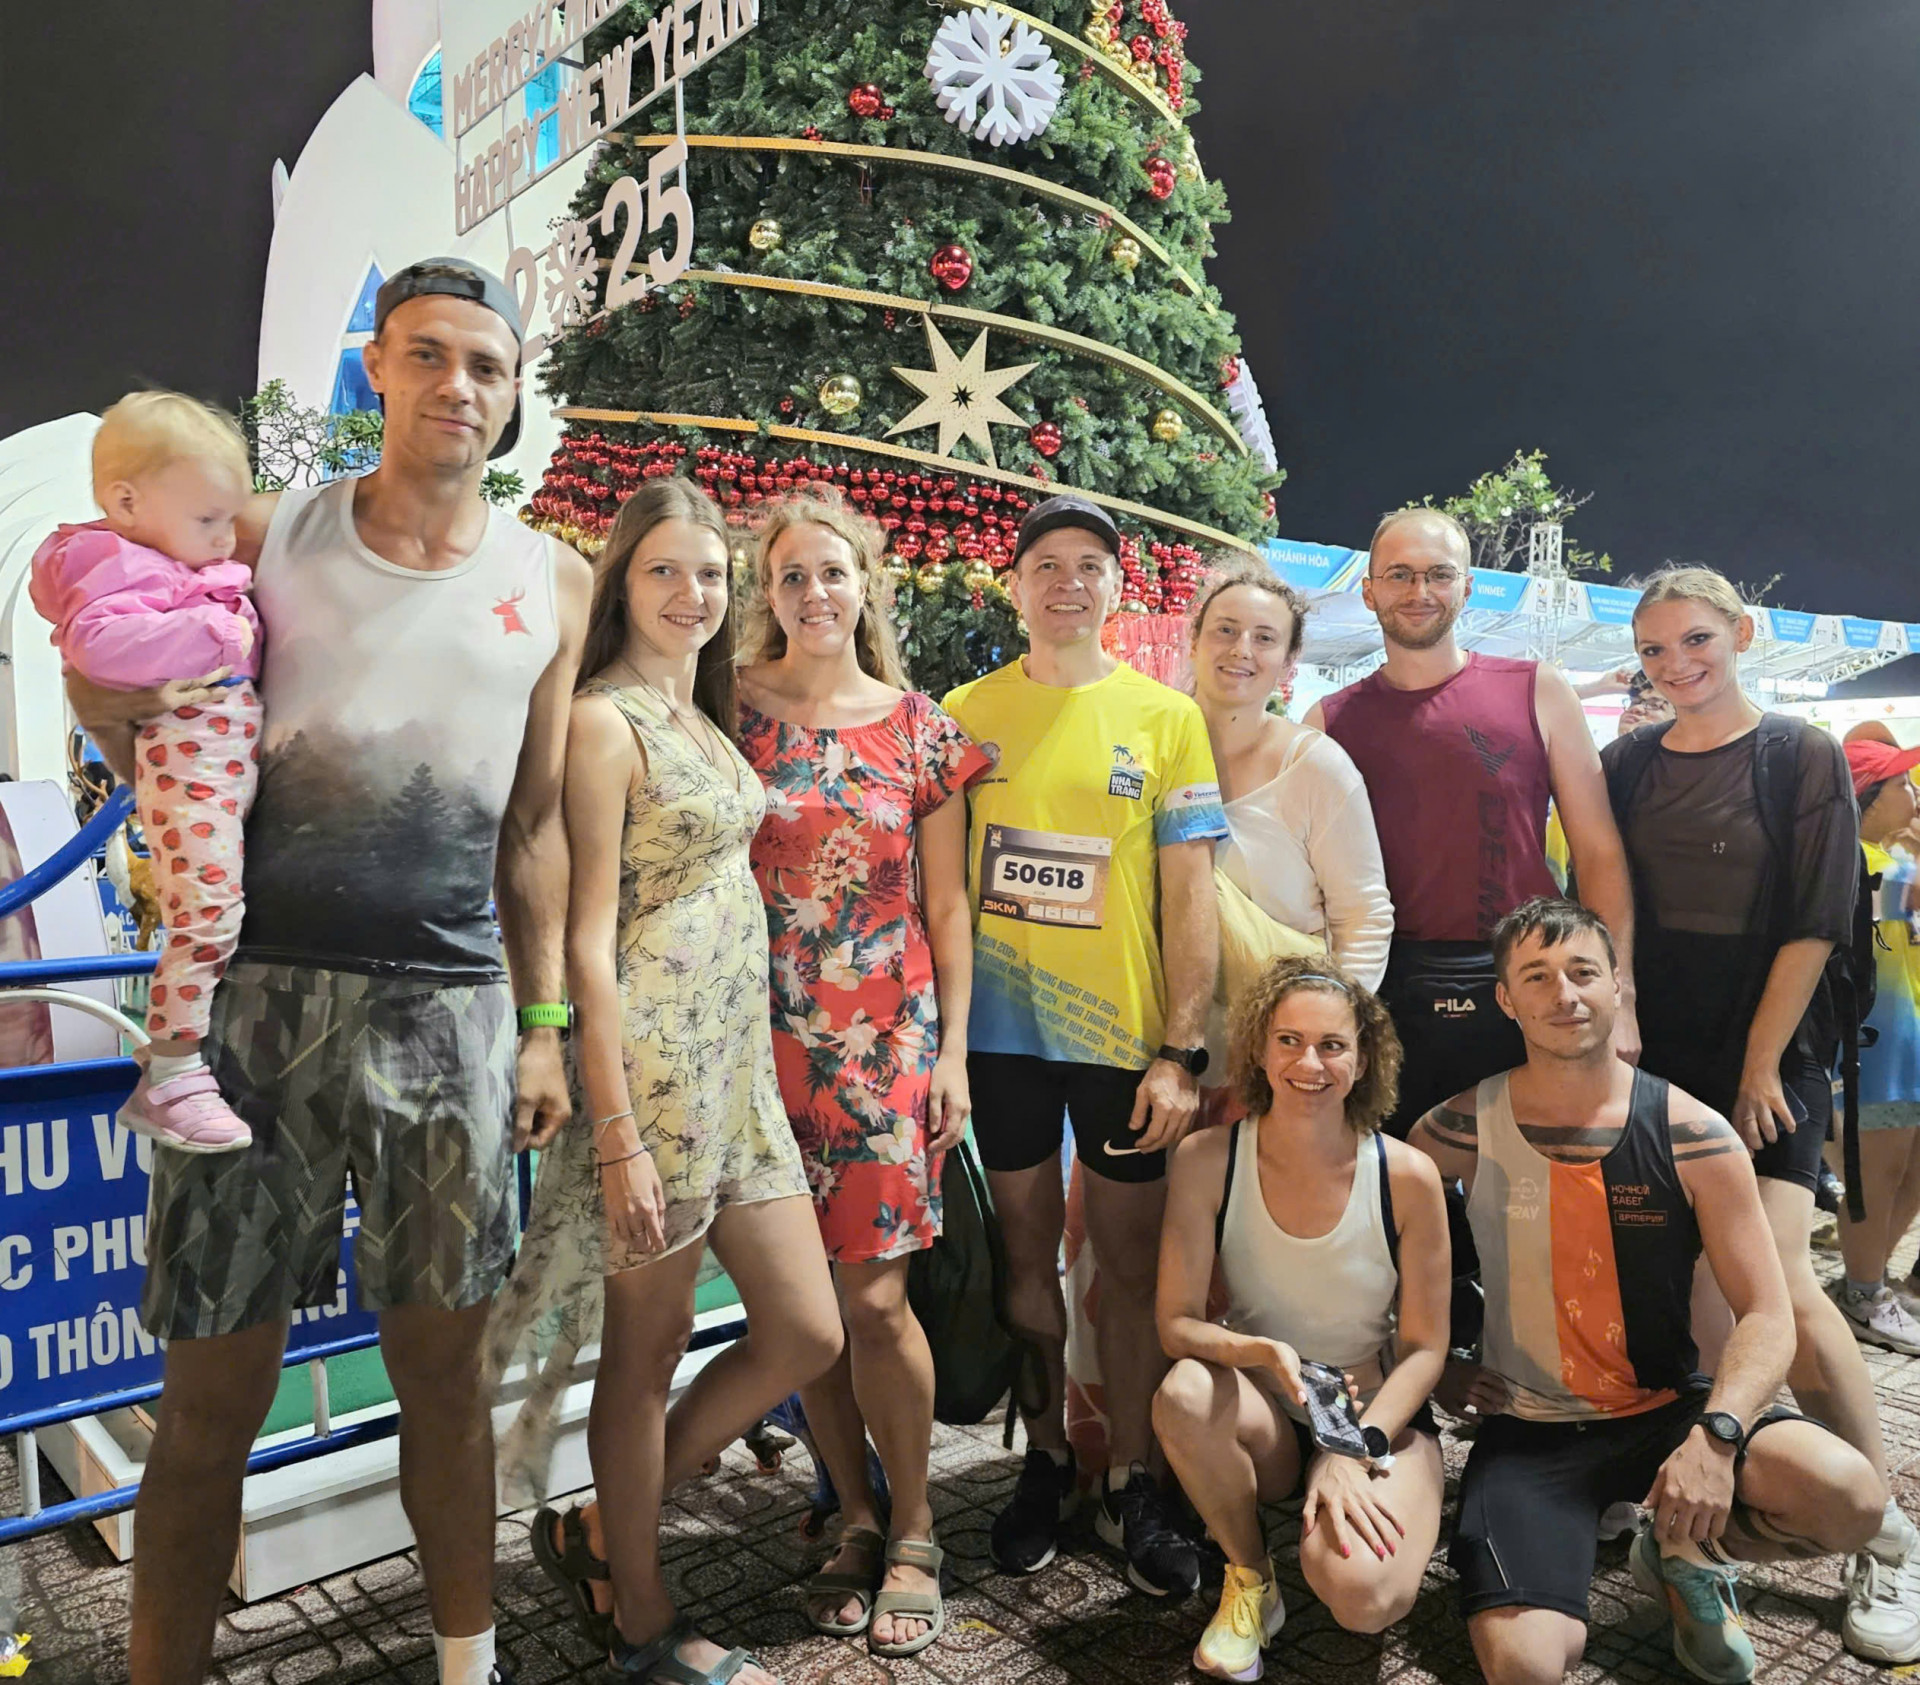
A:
{"x": 1021, "y": 1105}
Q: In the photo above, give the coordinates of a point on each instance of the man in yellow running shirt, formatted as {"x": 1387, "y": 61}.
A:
{"x": 1095, "y": 944}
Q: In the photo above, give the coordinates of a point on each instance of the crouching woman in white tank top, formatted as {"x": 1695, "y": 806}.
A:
{"x": 1332, "y": 1245}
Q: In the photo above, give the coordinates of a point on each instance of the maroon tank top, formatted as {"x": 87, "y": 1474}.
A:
{"x": 1458, "y": 780}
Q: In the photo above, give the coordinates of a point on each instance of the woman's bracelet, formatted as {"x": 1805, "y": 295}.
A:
{"x": 608, "y": 1163}
{"x": 612, "y": 1117}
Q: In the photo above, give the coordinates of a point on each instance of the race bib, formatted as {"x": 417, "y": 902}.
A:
{"x": 1044, "y": 876}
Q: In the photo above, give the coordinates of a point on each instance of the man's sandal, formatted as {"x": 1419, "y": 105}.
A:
{"x": 862, "y": 1580}
{"x": 655, "y": 1663}
{"x": 574, "y": 1569}
{"x": 928, "y": 1606}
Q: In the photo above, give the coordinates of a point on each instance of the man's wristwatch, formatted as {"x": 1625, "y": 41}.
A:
{"x": 1193, "y": 1060}
{"x": 548, "y": 1015}
{"x": 1725, "y": 1427}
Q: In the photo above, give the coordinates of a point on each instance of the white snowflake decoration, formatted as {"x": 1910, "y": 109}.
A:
{"x": 994, "y": 76}
{"x": 573, "y": 279}
{"x": 1250, "y": 416}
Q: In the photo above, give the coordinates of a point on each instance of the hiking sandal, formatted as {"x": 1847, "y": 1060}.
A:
{"x": 655, "y": 1663}
{"x": 861, "y": 1581}
{"x": 928, "y": 1606}
{"x": 573, "y": 1568}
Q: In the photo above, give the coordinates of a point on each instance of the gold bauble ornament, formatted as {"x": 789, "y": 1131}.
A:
{"x": 1126, "y": 254}
{"x": 765, "y": 235}
{"x": 978, "y": 577}
{"x": 931, "y": 577}
{"x": 1190, "y": 162}
{"x": 1168, "y": 426}
{"x": 896, "y": 569}
{"x": 1133, "y": 607}
{"x": 840, "y": 394}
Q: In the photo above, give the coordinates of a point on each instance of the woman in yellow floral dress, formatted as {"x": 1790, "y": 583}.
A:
{"x": 684, "y": 1137}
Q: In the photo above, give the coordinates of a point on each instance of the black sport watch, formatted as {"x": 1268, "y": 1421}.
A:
{"x": 1191, "y": 1059}
{"x": 1725, "y": 1427}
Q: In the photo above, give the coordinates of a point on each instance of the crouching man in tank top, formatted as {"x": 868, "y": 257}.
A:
{"x": 1592, "y": 1187}
{"x": 420, "y": 657}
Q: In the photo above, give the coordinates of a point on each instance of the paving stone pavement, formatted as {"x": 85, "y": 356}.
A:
{"x": 735, "y": 1557}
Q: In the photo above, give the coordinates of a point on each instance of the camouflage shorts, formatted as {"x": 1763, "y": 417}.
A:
{"x": 404, "y": 1085}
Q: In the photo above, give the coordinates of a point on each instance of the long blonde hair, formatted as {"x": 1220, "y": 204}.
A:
{"x": 874, "y": 645}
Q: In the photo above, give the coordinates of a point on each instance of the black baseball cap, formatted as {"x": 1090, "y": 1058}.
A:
{"x": 1069, "y": 509}
{"x": 456, "y": 278}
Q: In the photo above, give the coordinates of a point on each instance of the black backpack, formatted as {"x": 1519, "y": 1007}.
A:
{"x": 1852, "y": 971}
{"x": 957, "y": 1288}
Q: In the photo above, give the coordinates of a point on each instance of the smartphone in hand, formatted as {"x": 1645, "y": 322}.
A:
{"x": 1332, "y": 1417}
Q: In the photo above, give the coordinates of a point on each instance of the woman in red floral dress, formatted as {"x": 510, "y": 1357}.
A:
{"x": 862, "y": 864}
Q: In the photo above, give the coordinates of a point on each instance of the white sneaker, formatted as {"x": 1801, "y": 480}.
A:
{"x": 1878, "y": 1318}
{"x": 1616, "y": 1520}
{"x": 1882, "y": 1622}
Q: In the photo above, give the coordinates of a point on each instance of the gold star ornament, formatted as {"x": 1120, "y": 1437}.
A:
{"x": 960, "y": 395}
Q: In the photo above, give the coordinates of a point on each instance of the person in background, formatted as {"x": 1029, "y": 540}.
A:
{"x": 1742, "y": 834}
{"x": 1332, "y": 1245}
{"x": 1889, "y": 1063}
{"x": 1461, "y": 754}
{"x": 1302, "y": 841}
{"x": 1644, "y": 706}
{"x": 862, "y": 863}
{"x": 685, "y": 1138}
{"x": 1592, "y": 1188}
{"x": 1096, "y": 940}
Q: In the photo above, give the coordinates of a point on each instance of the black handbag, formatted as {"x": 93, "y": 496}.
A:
{"x": 957, "y": 1287}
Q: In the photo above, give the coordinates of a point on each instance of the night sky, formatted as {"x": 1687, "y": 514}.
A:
{"x": 1672, "y": 244}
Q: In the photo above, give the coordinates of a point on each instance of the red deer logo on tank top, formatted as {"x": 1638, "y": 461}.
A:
{"x": 508, "y": 608}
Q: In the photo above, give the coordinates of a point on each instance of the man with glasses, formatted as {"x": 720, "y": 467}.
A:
{"x": 1461, "y": 754}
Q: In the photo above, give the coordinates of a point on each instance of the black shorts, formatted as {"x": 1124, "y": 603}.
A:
{"x": 1532, "y": 1496}
{"x": 1020, "y": 1106}
{"x": 1453, "y": 1034}
{"x": 1809, "y": 1089}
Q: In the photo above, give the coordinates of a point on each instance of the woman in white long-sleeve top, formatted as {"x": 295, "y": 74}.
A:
{"x": 1303, "y": 843}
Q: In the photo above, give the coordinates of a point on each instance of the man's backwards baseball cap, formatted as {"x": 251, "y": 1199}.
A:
{"x": 456, "y": 278}
{"x": 1067, "y": 510}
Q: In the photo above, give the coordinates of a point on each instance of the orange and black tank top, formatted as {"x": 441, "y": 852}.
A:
{"x": 1587, "y": 1268}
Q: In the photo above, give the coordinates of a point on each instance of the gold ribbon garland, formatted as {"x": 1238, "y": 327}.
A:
{"x": 853, "y": 442}
{"x": 944, "y": 163}
{"x": 1014, "y": 326}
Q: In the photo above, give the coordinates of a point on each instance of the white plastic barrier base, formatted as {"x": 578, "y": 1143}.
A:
{"x": 331, "y": 1513}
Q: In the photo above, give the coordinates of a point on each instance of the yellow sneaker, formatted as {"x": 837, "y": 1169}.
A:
{"x": 1250, "y": 1613}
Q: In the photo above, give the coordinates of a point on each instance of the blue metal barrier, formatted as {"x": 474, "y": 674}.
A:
{"x": 78, "y": 1081}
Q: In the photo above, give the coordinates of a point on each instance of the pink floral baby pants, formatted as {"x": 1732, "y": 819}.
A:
{"x": 195, "y": 774}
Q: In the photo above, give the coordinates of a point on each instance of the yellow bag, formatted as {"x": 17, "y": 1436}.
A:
{"x": 1250, "y": 941}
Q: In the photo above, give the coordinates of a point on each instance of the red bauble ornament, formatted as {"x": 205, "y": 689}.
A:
{"x": 1161, "y": 178}
{"x": 866, "y": 100}
{"x": 952, "y": 267}
{"x": 1046, "y": 437}
{"x": 1141, "y": 46}
{"x": 1229, "y": 370}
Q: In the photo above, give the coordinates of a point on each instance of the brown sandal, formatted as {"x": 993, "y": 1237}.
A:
{"x": 928, "y": 1606}
{"x": 861, "y": 1581}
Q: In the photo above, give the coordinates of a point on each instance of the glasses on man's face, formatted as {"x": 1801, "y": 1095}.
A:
{"x": 1441, "y": 578}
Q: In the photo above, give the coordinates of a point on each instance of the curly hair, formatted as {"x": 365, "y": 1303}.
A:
{"x": 1376, "y": 1090}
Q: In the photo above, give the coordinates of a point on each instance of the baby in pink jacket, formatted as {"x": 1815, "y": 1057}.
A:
{"x": 148, "y": 594}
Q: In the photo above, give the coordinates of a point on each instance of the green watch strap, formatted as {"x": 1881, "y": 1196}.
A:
{"x": 547, "y": 1015}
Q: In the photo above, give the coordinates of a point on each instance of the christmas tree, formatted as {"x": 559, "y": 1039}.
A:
{"x": 950, "y": 258}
